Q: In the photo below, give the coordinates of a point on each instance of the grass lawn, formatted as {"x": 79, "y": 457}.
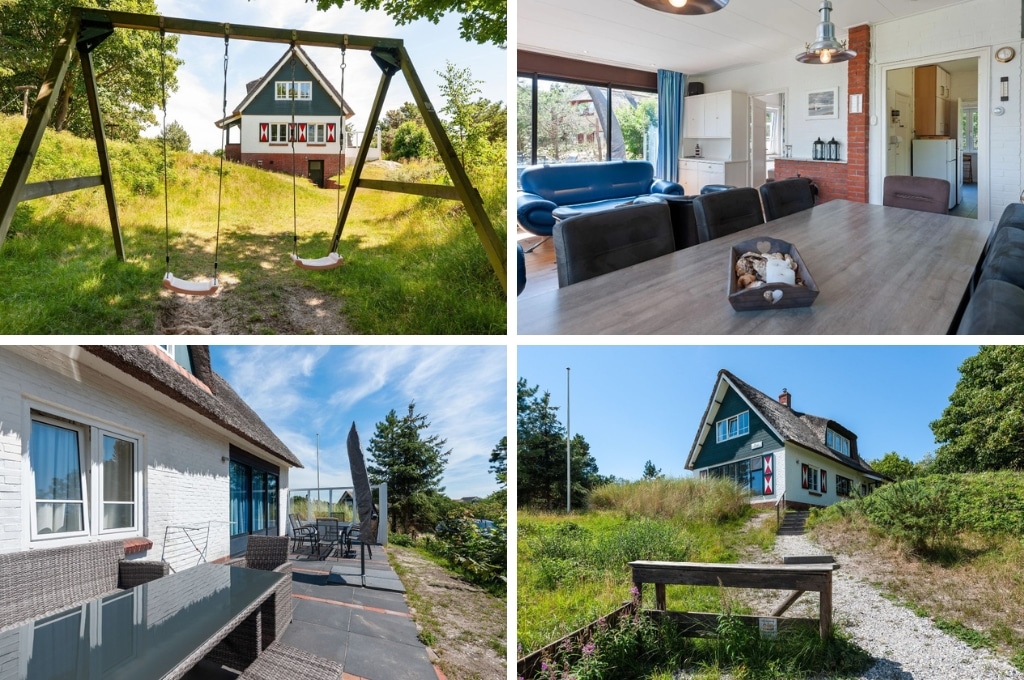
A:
{"x": 412, "y": 265}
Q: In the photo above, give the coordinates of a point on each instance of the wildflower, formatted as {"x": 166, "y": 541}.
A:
{"x": 543, "y": 665}
{"x": 588, "y": 649}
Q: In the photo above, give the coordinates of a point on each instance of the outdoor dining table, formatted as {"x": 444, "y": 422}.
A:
{"x": 158, "y": 630}
{"x": 879, "y": 270}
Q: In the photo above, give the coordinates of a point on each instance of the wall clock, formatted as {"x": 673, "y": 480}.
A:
{"x": 1005, "y": 54}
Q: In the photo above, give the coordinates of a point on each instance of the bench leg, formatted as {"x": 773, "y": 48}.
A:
{"x": 660, "y": 601}
{"x": 825, "y": 609}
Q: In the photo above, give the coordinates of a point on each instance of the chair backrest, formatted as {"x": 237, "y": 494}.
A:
{"x": 593, "y": 244}
{"x": 327, "y": 528}
{"x": 786, "y": 196}
{"x": 726, "y": 212}
{"x": 928, "y": 194}
{"x": 266, "y": 552}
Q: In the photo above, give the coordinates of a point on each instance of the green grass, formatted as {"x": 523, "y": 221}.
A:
{"x": 412, "y": 264}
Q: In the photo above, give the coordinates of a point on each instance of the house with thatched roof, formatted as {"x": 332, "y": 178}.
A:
{"x": 777, "y": 452}
{"x": 146, "y": 444}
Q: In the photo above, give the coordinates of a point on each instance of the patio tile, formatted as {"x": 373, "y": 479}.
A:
{"x": 384, "y": 626}
{"x": 370, "y": 657}
{"x": 320, "y": 640}
{"x": 383, "y": 600}
{"x": 322, "y": 614}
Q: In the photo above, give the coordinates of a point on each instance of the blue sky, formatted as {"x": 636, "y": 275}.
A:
{"x": 302, "y": 391}
{"x": 197, "y": 103}
{"x": 634, "y": 404}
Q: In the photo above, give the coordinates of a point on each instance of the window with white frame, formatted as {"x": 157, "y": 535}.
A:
{"x": 315, "y": 133}
{"x": 86, "y": 480}
{"x": 733, "y": 426}
{"x": 844, "y": 486}
{"x": 180, "y": 354}
{"x": 837, "y": 442}
{"x": 301, "y": 90}
{"x": 278, "y": 133}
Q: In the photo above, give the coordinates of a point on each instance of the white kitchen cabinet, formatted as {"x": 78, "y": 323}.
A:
{"x": 718, "y": 116}
{"x": 697, "y": 173}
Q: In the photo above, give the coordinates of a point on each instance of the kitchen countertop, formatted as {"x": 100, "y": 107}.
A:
{"x": 807, "y": 160}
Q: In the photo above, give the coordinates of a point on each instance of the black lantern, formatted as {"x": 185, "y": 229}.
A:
{"x": 833, "y": 150}
{"x": 819, "y": 150}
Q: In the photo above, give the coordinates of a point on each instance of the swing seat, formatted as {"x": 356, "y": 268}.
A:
{"x": 330, "y": 262}
{"x": 171, "y": 282}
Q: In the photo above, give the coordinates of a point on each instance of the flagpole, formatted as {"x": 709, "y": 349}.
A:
{"x": 568, "y": 450}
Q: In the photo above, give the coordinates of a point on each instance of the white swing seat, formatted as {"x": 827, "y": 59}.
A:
{"x": 329, "y": 262}
{"x": 171, "y": 282}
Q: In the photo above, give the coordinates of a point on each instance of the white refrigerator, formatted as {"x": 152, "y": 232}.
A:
{"x": 937, "y": 158}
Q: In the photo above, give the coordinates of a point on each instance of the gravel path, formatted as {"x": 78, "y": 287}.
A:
{"x": 906, "y": 646}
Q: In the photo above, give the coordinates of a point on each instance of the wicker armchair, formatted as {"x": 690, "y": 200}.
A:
{"x": 241, "y": 647}
{"x": 281, "y": 662}
{"x": 37, "y": 583}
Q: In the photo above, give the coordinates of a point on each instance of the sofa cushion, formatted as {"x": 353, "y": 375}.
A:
{"x": 997, "y": 307}
{"x": 566, "y": 211}
{"x": 1005, "y": 259}
{"x": 572, "y": 183}
{"x": 1013, "y": 216}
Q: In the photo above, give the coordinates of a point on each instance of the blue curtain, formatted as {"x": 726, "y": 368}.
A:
{"x": 671, "y": 90}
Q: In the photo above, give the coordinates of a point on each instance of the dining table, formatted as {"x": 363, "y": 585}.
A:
{"x": 879, "y": 271}
{"x": 158, "y": 630}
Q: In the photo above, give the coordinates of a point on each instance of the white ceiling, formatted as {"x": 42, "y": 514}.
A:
{"x": 625, "y": 33}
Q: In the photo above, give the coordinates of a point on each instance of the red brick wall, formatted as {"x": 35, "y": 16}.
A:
{"x": 282, "y": 162}
{"x": 857, "y": 123}
{"x": 831, "y": 178}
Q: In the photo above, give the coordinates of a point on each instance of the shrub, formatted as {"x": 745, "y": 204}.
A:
{"x": 478, "y": 555}
{"x": 687, "y": 500}
{"x": 914, "y": 512}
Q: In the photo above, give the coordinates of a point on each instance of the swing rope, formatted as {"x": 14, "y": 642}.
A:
{"x": 171, "y": 282}
{"x": 292, "y": 132}
{"x": 331, "y": 260}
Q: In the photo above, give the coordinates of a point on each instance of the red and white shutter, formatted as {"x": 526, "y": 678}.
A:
{"x": 302, "y": 132}
{"x": 823, "y": 485}
{"x": 703, "y": 474}
{"x": 291, "y": 132}
{"x": 331, "y": 127}
{"x": 264, "y": 132}
{"x": 805, "y": 481}
{"x": 769, "y": 476}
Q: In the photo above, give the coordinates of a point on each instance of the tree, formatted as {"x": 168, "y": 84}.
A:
{"x": 635, "y": 121}
{"x": 894, "y": 466}
{"x": 483, "y": 21}
{"x": 651, "y": 472}
{"x": 392, "y": 120}
{"x": 410, "y": 141}
{"x": 499, "y": 462}
{"x": 410, "y": 464}
{"x": 177, "y": 138}
{"x": 126, "y": 64}
{"x": 983, "y": 426}
{"x": 459, "y": 88}
{"x": 540, "y": 455}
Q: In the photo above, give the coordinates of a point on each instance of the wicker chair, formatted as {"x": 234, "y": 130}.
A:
{"x": 37, "y": 583}
{"x": 281, "y": 662}
{"x": 243, "y": 645}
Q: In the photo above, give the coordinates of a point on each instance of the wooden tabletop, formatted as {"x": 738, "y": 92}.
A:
{"x": 880, "y": 271}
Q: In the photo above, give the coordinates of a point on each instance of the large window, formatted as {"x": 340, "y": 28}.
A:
{"x": 837, "y": 442}
{"x": 86, "y": 480}
{"x": 567, "y": 122}
{"x": 748, "y": 474}
{"x": 300, "y": 90}
{"x": 253, "y": 498}
{"x": 733, "y": 426}
{"x": 279, "y": 133}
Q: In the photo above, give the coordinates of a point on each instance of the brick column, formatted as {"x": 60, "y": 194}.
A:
{"x": 857, "y": 123}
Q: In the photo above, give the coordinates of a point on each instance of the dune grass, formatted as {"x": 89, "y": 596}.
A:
{"x": 412, "y": 265}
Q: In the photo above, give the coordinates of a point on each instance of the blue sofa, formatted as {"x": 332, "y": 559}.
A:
{"x": 583, "y": 187}
{"x": 997, "y": 303}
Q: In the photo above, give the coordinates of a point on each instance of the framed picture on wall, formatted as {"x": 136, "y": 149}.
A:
{"x": 823, "y": 104}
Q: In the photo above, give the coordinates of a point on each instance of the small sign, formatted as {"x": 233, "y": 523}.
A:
{"x": 756, "y": 445}
{"x": 769, "y": 627}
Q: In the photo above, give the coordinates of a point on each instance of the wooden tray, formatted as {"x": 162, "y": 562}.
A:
{"x": 770, "y": 295}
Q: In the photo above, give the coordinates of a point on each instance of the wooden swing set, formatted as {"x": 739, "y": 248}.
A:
{"x": 88, "y": 28}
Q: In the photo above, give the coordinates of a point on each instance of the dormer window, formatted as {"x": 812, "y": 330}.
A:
{"x": 837, "y": 442}
{"x": 180, "y": 355}
{"x": 734, "y": 426}
{"x": 285, "y": 90}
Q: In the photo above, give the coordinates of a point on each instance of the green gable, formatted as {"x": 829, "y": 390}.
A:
{"x": 264, "y": 103}
{"x": 714, "y": 453}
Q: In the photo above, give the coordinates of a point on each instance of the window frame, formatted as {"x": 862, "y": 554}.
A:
{"x": 723, "y": 426}
{"x": 734, "y": 468}
{"x": 90, "y": 439}
{"x": 832, "y": 438}
{"x": 316, "y": 133}
{"x": 273, "y": 133}
{"x": 283, "y": 90}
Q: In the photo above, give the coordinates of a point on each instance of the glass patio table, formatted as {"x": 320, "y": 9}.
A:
{"x": 157, "y": 630}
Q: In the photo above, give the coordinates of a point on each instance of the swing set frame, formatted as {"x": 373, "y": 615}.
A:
{"x": 88, "y": 28}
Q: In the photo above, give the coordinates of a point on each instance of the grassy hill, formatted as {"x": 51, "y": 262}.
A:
{"x": 413, "y": 265}
{"x": 948, "y": 546}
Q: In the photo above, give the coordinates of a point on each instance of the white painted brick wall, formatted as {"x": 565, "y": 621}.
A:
{"x": 186, "y": 481}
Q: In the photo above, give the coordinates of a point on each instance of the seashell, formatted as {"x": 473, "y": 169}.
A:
{"x": 745, "y": 280}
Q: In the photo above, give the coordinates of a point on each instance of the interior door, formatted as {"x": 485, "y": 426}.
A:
{"x": 758, "y": 142}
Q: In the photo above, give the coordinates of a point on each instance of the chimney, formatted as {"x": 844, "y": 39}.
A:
{"x": 785, "y": 398}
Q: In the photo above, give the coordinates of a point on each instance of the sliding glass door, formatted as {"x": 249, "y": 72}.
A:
{"x": 254, "y": 499}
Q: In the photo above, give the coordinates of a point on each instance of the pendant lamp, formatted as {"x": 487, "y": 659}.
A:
{"x": 685, "y": 6}
{"x": 826, "y": 49}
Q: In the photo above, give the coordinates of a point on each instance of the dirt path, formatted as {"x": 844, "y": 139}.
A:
{"x": 464, "y": 625}
{"x": 905, "y": 646}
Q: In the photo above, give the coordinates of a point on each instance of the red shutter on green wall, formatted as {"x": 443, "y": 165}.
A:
{"x": 804, "y": 481}
{"x": 769, "y": 476}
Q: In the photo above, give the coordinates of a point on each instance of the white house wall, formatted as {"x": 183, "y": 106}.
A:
{"x": 980, "y": 25}
{"x": 184, "y": 463}
{"x": 795, "y": 493}
{"x": 250, "y": 135}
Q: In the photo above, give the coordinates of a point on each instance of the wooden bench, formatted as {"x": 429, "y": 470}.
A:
{"x": 798, "y": 576}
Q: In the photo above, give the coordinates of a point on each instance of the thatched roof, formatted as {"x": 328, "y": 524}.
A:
{"x": 203, "y": 391}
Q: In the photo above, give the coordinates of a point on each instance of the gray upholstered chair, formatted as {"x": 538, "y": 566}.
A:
{"x": 593, "y": 244}
{"x": 722, "y": 213}
{"x": 927, "y": 194}
{"x": 786, "y": 196}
